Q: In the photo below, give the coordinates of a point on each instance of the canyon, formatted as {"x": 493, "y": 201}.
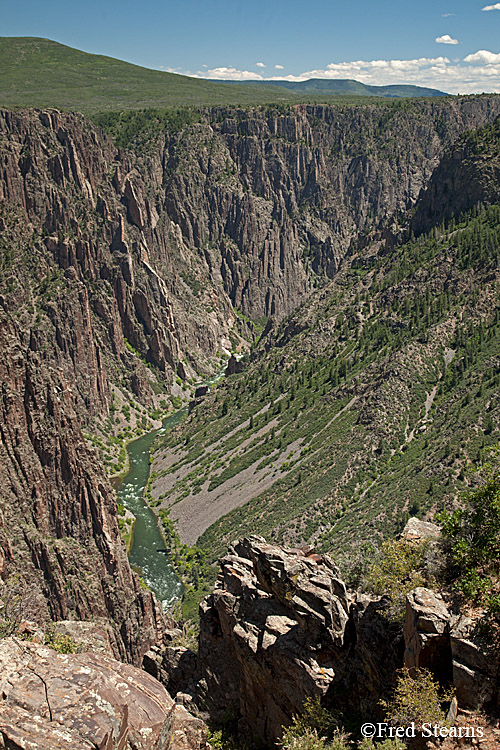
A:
{"x": 129, "y": 273}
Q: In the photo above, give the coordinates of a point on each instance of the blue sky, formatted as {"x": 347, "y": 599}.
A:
{"x": 453, "y": 45}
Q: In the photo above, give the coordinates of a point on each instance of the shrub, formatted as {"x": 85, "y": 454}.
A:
{"x": 396, "y": 573}
{"x": 310, "y": 740}
{"x": 388, "y": 744}
{"x": 318, "y": 729}
{"x": 472, "y": 533}
{"x": 417, "y": 699}
{"x": 63, "y": 644}
{"x": 315, "y": 729}
{"x": 355, "y": 564}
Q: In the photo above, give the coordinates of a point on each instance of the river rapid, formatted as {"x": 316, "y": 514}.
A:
{"x": 148, "y": 556}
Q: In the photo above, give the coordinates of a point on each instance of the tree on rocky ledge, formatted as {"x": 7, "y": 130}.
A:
{"x": 472, "y": 533}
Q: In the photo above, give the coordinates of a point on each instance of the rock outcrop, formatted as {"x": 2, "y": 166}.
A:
{"x": 468, "y": 175}
{"x": 86, "y": 701}
{"x": 453, "y": 647}
{"x": 279, "y": 627}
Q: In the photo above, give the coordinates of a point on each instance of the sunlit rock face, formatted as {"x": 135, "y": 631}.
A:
{"x": 279, "y": 627}
{"x": 87, "y": 700}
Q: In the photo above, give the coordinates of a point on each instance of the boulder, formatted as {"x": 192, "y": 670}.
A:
{"x": 426, "y": 633}
{"x": 82, "y": 701}
{"x": 420, "y": 531}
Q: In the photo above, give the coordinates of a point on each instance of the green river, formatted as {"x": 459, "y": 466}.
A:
{"x": 148, "y": 555}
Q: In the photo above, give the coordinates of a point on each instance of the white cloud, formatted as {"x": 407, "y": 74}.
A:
{"x": 279, "y": 67}
{"x": 446, "y": 39}
{"x": 228, "y": 74}
{"x": 447, "y": 15}
{"x": 376, "y": 68}
{"x": 492, "y": 7}
{"x": 260, "y": 65}
{"x": 483, "y": 56}
{"x": 478, "y": 73}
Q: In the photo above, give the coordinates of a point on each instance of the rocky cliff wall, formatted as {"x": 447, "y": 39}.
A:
{"x": 468, "y": 175}
{"x": 267, "y": 197}
{"x": 61, "y": 552}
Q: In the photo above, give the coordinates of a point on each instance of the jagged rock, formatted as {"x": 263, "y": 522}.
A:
{"x": 234, "y": 366}
{"x": 308, "y": 584}
{"x": 452, "y": 647}
{"x": 476, "y": 664}
{"x": 426, "y": 633}
{"x": 87, "y": 701}
{"x": 202, "y": 390}
{"x": 279, "y": 627}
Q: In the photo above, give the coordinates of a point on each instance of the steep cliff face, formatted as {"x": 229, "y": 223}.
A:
{"x": 82, "y": 205}
{"x": 87, "y": 321}
{"x": 65, "y": 307}
{"x": 468, "y": 175}
{"x": 59, "y": 530}
{"x": 268, "y": 197}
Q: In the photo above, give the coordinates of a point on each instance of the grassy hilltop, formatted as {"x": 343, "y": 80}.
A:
{"x": 42, "y": 73}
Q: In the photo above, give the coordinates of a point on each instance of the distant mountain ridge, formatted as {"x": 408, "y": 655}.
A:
{"x": 349, "y": 86}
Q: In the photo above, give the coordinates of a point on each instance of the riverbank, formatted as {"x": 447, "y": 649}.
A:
{"x": 147, "y": 552}
{"x": 148, "y": 547}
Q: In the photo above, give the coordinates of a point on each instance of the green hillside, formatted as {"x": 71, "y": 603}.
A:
{"x": 41, "y": 73}
{"x": 373, "y": 411}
